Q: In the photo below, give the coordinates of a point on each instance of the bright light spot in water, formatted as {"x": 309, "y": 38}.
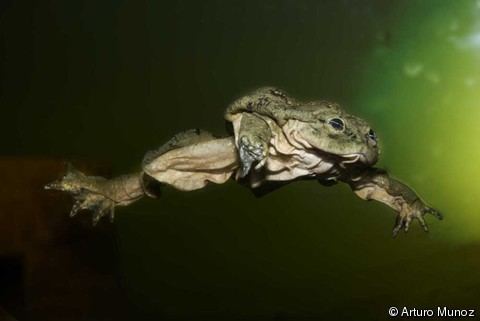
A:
{"x": 470, "y": 82}
{"x": 471, "y": 41}
{"x": 432, "y": 77}
{"x": 412, "y": 69}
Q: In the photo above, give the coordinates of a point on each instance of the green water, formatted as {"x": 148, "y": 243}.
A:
{"x": 109, "y": 80}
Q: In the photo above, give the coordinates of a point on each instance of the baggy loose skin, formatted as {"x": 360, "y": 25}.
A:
{"x": 192, "y": 167}
{"x": 276, "y": 138}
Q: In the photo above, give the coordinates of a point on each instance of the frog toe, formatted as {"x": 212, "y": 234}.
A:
{"x": 434, "y": 212}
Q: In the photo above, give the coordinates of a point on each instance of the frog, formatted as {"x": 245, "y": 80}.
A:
{"x": 275, "y": 140}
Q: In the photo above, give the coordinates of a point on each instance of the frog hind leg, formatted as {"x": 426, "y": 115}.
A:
{"x": 192, "y": 159}
{"x": 101, "y": 195}
{"x": 182, "y": 139}
{"x": 152, "y": 186}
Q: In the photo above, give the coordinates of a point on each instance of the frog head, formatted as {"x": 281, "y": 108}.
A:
{"x": 331, "y": 130}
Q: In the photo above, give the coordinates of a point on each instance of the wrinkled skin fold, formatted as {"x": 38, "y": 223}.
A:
{"x": 276, "y": 139}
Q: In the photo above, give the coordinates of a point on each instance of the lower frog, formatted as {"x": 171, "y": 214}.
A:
{"x": 276, "y": 139}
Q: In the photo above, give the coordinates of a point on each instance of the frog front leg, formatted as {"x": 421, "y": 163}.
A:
{"x": 252, "y": 138}
{"x": 376, "y": 184}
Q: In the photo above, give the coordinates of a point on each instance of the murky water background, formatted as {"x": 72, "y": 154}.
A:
{"x": 110, "y": 80}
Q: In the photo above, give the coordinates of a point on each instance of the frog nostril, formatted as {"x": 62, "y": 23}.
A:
{"x": 372, "y": 137}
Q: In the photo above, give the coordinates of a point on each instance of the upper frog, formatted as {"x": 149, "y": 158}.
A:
{"x": 319, "y": 137}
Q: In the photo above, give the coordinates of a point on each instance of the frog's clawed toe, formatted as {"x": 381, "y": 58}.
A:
{"x": 434, "y": 212}
{"x": 250, "y": 151}
{"x": 98, "y": 204}
{"x": 415, "y": 211}
{"x": 55, "y": 185}
{"x": 403, "y": 222}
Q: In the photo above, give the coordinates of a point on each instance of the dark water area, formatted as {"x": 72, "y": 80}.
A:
{"x": 105, "y": 81}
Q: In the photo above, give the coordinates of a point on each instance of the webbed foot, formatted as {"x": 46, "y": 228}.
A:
{"x": 98, "y": 204}
{"x": 87, "y": 191}
{"x": 409, "y": 212}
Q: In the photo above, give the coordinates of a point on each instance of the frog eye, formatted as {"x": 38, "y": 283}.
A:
{"x": 337, "y": 124}
{"x": 372, "y": 135}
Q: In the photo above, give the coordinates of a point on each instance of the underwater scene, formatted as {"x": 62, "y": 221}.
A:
{"x": 98, "y": 84}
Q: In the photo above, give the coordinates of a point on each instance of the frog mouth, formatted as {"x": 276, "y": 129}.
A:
{"x": 353, "y": 158}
